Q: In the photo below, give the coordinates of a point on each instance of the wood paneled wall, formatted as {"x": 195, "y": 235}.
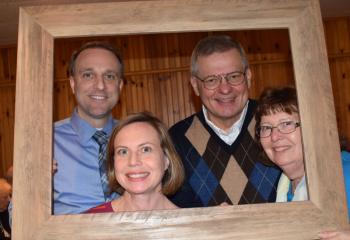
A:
{"x": 157, "y": 74}
{"x": 157, "y": 70}
{"x": 337, "y": 32}
{"x": 7, "y": 105}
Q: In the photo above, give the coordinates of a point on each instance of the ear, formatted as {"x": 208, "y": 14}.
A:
{"x": 167, "y": 162}
{"x": 121, "y": 84}
{"x": 72, "y": 83}
{"x": 194, "y": 84}
{"x": 248, "y": 75}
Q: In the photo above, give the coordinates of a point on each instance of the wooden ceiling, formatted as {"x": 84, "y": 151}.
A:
{"x": 9, "y": 13}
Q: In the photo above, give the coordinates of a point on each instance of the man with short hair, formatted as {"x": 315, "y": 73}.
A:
{"x": 217, "y": 147}
{"x": 96, "y": 79}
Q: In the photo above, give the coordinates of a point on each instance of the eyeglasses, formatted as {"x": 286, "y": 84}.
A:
{"x": 233, "y": 78}
{"x": 283, "y": 127}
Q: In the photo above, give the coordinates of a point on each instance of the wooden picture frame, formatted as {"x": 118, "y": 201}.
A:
{"x": 32, "y": 197}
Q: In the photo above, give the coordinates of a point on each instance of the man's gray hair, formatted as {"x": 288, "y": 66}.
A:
{"x": 215, "y": 44}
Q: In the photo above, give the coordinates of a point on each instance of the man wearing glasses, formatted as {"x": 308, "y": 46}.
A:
{"x": 217, "y": 147}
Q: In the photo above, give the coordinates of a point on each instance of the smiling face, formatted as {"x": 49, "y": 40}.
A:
{"x": 225, "y": 103}
{"x": 96, "y": 84}
{"x": 285, "y": 150}
{"x": 139, "y": 161}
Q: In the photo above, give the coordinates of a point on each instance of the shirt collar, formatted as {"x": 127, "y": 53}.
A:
{"x": 236, "y": 127}
{"x": 84, "y": 130}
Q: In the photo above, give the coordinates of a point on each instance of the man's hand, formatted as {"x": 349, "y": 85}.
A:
{"x": 54, "y": 166}
{"x": 224, "y": 204}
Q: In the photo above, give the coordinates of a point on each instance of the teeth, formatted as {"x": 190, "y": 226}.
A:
{"x": 137, "y": 175}
{"x": 98, "y": 97}
{"x": 279, "y": 149}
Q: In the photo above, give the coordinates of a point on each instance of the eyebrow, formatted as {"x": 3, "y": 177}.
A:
{"x": 85, "y": 69}
{"x": 111, "y": 71}
{"x": 215, "y": 75}
{"x": 140, "y": 145}
{"x": 91, "y": 69}
{"x": 281, "y": 121}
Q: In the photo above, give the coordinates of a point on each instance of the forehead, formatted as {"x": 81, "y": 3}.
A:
{"x": 220, "y": 61}
{"x": 97, "y": 57}
{"x": 279, "y": 116}
{"x": 136, "y": 132}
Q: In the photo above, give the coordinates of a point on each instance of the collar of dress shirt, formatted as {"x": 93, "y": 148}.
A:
{"x": 85, "y": 131}
{"x": 227, "y": 136}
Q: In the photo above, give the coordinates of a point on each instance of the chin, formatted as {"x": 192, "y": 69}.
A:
{"x": 100, "y": 115}
{"x": 136, "y": 190}
{"x": 288, "y": 168}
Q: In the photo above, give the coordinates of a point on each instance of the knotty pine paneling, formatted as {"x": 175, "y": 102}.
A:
{"x": 337, "y": 31}
{"x": 157, "y": 74}
{"x": 7, "y": 107}
{"x": 340, "y": 74}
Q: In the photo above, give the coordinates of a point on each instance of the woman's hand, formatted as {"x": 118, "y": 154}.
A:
{"x": 335, "y": 235}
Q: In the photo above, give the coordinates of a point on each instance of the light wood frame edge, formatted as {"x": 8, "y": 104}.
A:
{"x": 39, "y": 26}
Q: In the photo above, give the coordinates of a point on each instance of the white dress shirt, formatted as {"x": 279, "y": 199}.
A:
{"x": 227, "y": 136}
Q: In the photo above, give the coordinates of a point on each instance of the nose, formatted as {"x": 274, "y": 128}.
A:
{"x": 224, "y": 86}
{"x": 99, "y": 82}
{"x": 134, "y": 159}
{"x": 275, "y": 134}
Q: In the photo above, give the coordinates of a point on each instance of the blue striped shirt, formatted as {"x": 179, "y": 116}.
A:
{"x": 77, "y": 184}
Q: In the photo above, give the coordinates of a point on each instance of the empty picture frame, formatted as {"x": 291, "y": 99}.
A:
{"x": 40, "y": 25}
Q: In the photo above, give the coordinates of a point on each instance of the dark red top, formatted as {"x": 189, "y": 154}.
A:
{"x": 103, "y": 208}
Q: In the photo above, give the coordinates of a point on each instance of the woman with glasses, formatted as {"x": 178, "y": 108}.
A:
{"x": 278, "y": 131}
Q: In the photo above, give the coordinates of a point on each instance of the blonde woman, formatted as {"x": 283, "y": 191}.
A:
{"x": 142, "y": 165}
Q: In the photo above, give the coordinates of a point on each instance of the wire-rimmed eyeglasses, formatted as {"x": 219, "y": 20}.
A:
{"x": 284, "y": 127}
{"x": 213, "y": 81}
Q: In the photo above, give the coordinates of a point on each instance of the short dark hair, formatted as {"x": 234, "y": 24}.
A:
{"x": 344, "y": 143}
{"x": 174, "y": 175}
{"x": 215, "y": 44}
{"x": 96, "y": 44}
{"x": 273, "y": 100}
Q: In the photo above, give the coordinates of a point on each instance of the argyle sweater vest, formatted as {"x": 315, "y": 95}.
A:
{"x": 217, "y": 172}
